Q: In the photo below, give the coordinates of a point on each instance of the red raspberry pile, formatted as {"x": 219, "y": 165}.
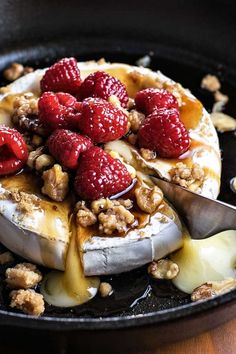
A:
{"x": 13, "y": 151}
{"x": 162, "y": 130}
{"x": 78, "y": 114}
{"x": 76, "y": 125}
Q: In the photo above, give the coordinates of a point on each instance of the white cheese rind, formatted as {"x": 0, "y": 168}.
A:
{"x": 102, "y": 255}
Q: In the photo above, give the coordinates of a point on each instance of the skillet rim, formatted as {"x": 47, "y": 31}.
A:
{"x": 56, "y": 323}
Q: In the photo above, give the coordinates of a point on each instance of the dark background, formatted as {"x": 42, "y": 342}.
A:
{"x": 201, "y": 27}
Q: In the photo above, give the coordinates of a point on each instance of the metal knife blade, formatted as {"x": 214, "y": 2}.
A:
{"x": 203, "y": 216}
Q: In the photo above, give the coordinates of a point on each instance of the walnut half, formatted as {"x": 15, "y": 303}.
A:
{"x": 213, "y": 288}
{"x": 148, "y": 199}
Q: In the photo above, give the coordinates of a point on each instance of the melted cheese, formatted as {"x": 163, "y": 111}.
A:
{"x": 69, "y": 288}
{"x": 200, "y": 261}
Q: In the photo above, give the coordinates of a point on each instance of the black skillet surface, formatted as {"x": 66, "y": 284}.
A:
{"x": 176, "y": 50}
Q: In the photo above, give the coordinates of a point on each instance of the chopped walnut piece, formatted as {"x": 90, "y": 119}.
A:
{"x": 6, "y": 257}
{"x": 23, "y": 275}
{"x": 185, "y": 176}
{"x": 163, "y": 269}
{"x": 33, "y": 155}
{"x": 43, "y": 162}
{"x": 116, "y": 218}
{"x": 136, "y": 119}
{"x": 105, "y": 289}
{"x": 28, "y": 301}
{"x": 147, "y": 154}
{"x": 13, "y": 72}
{"x": 213, "y": 288}
{"x": 25, "y": 114}
{"x": 85, "y": 217}
{"x": 148, "y": 199}
{"x": 105, "y": 203}
{"x": 56, "y": 183}
{"x": 223, "y": 122}
{"x": 211, "y": 83}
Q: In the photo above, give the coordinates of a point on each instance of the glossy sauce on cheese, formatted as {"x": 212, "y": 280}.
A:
{"x": 69, "y": 288}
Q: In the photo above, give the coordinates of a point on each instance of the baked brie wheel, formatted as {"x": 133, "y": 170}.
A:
{"x": 40, "y": 229}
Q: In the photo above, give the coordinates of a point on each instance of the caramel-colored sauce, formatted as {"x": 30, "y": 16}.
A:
{"x": 190, "y": 112}
{"x": 70, "y": 288}
{"x": 51, "y": 211}
{"x": 85, "y": 233}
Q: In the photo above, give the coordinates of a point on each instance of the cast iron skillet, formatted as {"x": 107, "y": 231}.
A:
{"x": 178, "y": 54}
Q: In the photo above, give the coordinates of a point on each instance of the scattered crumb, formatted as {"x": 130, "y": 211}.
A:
{"x": 223, "y": 122}
{"x": 210, "y": 83}
{"x": 6, "y": 257}
{"x": 105, "y": 289}
{"x": 14, "y": 71}
{"x": 23, "y": 275}
{"x": 28, "y": 301}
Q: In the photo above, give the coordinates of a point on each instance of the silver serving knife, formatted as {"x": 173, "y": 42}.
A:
{"x": 203, "y": 216}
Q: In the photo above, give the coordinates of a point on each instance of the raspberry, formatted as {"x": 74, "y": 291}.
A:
{"x": 58, "y": 110}
{"x": 66, "y": 147}
{"x": 103, "y": 85}
{"x": 163, "y": 132}
{"x": 101, "y": 121}
{"x": 99, "y": 175}
{"x": 150, "y": 99}
{"x": 63, "y": 76}
{"x": 13, "y": 151}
